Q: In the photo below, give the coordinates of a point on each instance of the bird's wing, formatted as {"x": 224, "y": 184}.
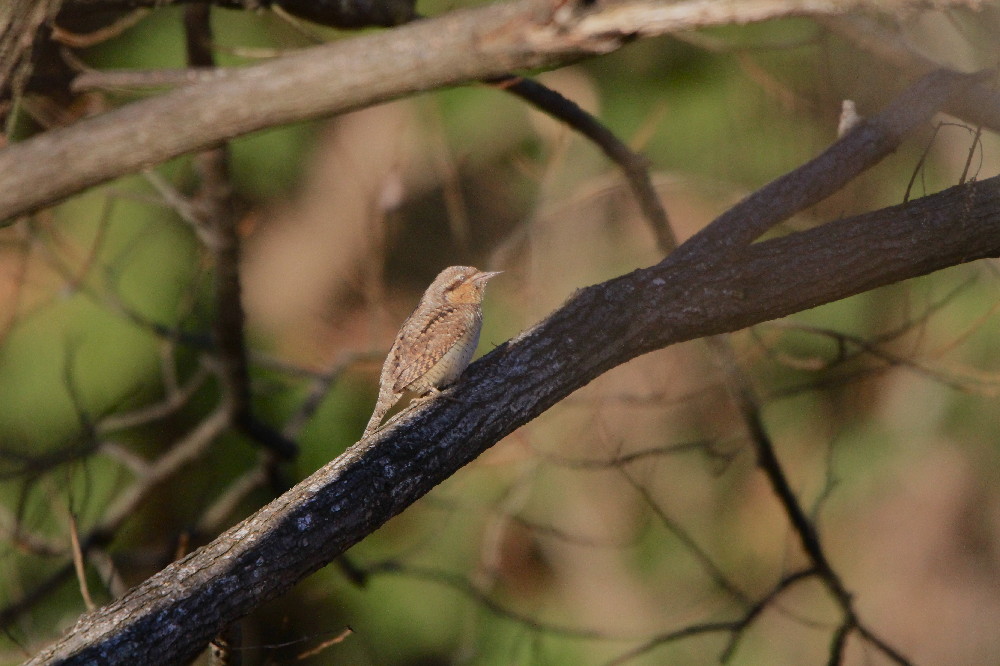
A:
{"x": 423, "y": 341}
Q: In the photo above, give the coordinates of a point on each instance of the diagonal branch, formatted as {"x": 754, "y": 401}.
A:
{"x": 868, "y": 143}
{"x": 171, "y": 616}
{"x": 634, "y": 165}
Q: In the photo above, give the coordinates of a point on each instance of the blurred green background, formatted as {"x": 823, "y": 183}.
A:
{"x": 882, "y": 406}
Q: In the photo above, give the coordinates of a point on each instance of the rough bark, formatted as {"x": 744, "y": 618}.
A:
{"x": 171, "y": 617}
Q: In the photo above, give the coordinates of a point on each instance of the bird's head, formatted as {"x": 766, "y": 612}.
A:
{"x": 461, "y": 284}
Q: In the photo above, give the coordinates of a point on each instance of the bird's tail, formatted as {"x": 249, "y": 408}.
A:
{"x": 386, "y": 399}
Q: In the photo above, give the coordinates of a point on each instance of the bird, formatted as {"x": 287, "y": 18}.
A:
{"x": 437, "y": 340}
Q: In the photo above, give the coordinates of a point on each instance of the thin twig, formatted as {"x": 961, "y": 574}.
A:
{"x": 78, "y": 563}
{"x": 767, "y": 459}
{"x": 463, "y": 585}
{"x": 634, "y": 165}
{"x": 700, "y": 555}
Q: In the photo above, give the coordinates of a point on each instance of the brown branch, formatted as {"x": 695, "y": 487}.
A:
{"x": 172, "y": 615}
{"x": 215, "y": 211}
{"x": 457, "y": 48}
{"x": 20, "y": 22}
{"x": 634, "y": 165}
{"x": 137, "y": 79}
{"x": 216, "y": 215}
{"x": 79, "y": 563}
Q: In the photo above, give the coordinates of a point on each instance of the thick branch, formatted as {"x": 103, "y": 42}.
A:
{"x": 868, "y": 143}
{"x": 457, "y": 48}
{"x": 171, "y": 616}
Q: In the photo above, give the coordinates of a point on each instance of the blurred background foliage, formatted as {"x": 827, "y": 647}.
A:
{"x": 545, "y": 550}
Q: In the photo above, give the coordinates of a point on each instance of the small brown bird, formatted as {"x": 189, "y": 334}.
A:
{"x": 436, "y": 341}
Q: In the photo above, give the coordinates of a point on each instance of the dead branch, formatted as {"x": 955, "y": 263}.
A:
{"x": 457, "y": 48}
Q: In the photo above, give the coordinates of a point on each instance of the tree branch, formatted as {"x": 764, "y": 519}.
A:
{"x": 172, "y": 616}
{"x": 457, "y": 48}
{"x": 633, "y": 165}
{"x": 868, "y": 143}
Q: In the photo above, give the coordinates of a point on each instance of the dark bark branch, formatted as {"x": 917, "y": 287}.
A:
{"x": 804, "y": 527}
{"x": 634, "y": 165}
{"x": 767, "y": 459}
{"x": 870, "y": 141}
{"x": 215, "y": 207}
{"x": 735, "y": 628}
{"x": 174, "y": 614}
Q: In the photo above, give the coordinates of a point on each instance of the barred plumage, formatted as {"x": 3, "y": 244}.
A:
{"x": 436, "y": 342}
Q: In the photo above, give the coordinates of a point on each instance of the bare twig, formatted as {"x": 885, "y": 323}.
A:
{"x": 218, "y": 515}
{"x": 320, "y": 387}
{"x": 734, "y": 627}
{"x": 466, "y": 587}
{"x": 113, "y": 29}
{"x": 175, "y": 399}
{"x": 708, "y": 448}
{"x": 634, "y": 166}
{"x": 767, "y": 459}
{"x": 704, "y": 560}
{"x": 182, "y": 453}
{"x": 79, "y": 566}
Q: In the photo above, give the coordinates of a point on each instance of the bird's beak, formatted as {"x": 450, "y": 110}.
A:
{"x": 484, "y": 276}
